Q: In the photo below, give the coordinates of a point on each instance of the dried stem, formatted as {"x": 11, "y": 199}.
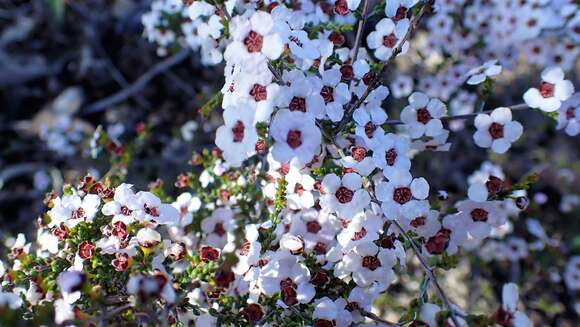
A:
{"x": 360, "y": 30}
{"x": 378, "y": 319}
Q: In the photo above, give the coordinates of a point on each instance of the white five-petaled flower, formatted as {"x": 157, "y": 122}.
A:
{"x": 334, "y": 93}
{"x": 237, "y": 137}
{"x": 497, "y": 131}
{"x": 509, "y": 313}
{"x": 254, "y": 39}
{"x": 479, "y": 74}
{"x": 345, "y": 195}
{"x": 401, "y": 193}
{"x": 422, "y": 115}
{"x": 296, "y": 136}
{"x": 569, "y": 115}
{"x": 368, "y": 264}
{"x": 552, "y": 91}
{"x": 390, "y": 154}
{"x": 387, "y": 36}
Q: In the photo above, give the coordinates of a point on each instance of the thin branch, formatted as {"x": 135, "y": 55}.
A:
{"x": 125, "y": 93}
{"x": 428, "y": 4}
{"x": 378, "y": 319}
{"x": 360, "y": 30}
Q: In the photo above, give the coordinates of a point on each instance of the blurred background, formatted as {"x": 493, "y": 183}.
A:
{"x": 73, "y": 71}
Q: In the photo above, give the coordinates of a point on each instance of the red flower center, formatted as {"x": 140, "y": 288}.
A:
{"x": 391, "y": 156}
{"x": 298, "y": 189}
{"x": 547, "y": 89}
{"x": 370, "y": 129}
{"x": 423, "y": 116}
{"x": 344, "y": 195}
{"x": 78, "y": 213}
{"x": 496, "y": 131}
{"x": 341, "y": 7}
{"x": 327, "y": 93}
{"x": 297, "y": 104}
{"x": 126, "y": 211}
{"x": 439, "y": 242}
{"x": 152, "y": 211}
{"x": 401, "y": 13}
{"x": 253, "y": 312}
{"x": 86, "y": 250}
{"x": 402, "y": 195}
{"x": 390, "y": 40}
{"x": 323, "y": 323}
{"x": 238, "y": 131}
{"x": 418, "y": 222}
{"x": 359, "y": 235}
{"x": 371, "y": 262}
{"x": 253, "y": 42}
{"x": 479, "y": 214}
{"x": 313, "y": 227}
{"x": 259, "y": 92}
{"x": 570, "y": 113}
{"x": 494, "y": 185}
{"x": 359, "y": 153}
{"x": 347, "y": 72}
{"x": 119, "y": 229}
{"x": 207, "y": 253}
{"x": 294, "y": 138}
{"x": 336, "y": 38}
{"x": 319, "y": 248}
{"x": 219, "y": 229}
{"x": 245, "y": 248}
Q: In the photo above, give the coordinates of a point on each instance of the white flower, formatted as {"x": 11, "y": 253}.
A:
{"x": 254, "y": 39}
{"x": 345, "y": 195}
{"x": 152, "y": 210}
{"x": 497, "y": 130}
{"x": 479, "y": 74}
{"x": 295, "y": 135}
{"x": 402, "y": 86}
{"x": 217, "y": 226}
{"x": 398, "y": 9}
{"x": 71, "y": 209}
{"x": 331, "y": 313}
{"x": 552, "y": 91}
{"x": 390, "y": 154}
{"x": 422, "y": 115}
{"x": 63, "y": 311}
{"x": 186, "y": 204}
{"x": 124, "y": 207}
{"x": 299, "y": 189}
{"x": 334, "y": 93}
{"x": 70, "y": 284}
{"x": 258, "y": 89}
{"x": 569, "y": 115}
{"x": 237, "y": 137}
{"x": 480, "y": 217}
{"x": 388, "y": 35}
{"x": 510, "y": 313}
{"x": 572, "y": 273}
{"x": 364, "y": 227}
{"x": 401, "y": 193}
{"x": 148, "y": 237}
{"x": 298, "y": 96}
{"x": 2, "y": 269}
{"x": 368, "y": 264}
{"x": 358, "y": 161}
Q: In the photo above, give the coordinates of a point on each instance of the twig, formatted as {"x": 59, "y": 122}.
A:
{"x": 125, "y": 93}
{"x": 376, "y": 318}
{"x": 376, "y": 80}
{"x": 359, "y": 30}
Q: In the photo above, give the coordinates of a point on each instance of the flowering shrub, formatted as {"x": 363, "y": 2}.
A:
{"x": 309, "y": 210}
